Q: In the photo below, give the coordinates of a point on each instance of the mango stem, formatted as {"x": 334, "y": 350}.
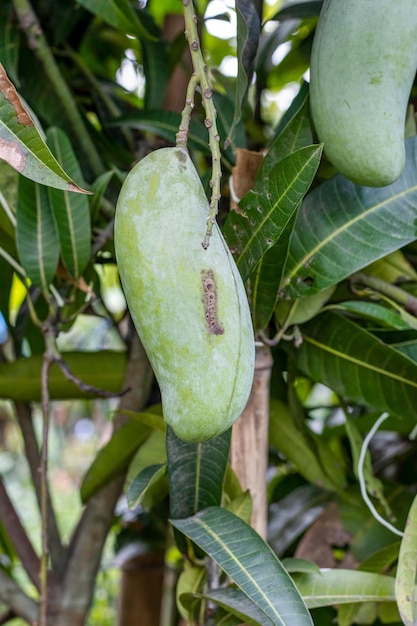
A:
{"x": 201, "y": 76}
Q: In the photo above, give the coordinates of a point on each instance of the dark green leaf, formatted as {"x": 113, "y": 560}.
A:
{"x": 249, "y": 562}
{"x": 264, "y": 215}
{"x": 196, "y": 473}
{"x": 340, "y": 354}
{"x": 147, "y": 478}
{"x": 236, "y": 602}
{"x": 248, "y": 31}
{"x": 267, "y": 276}
{"x": 9, "y": 41}
{"x": 342, "y": 227}
{"x": 299, "y": 9}
{"x": 36, "y": 236}
{"x": 155, "y": 67}
{"x": 71, "y": 211}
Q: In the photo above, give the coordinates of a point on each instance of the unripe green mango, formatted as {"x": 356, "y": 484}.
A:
{"x": 188, "y": 304}
{"x": 363, "y": 63}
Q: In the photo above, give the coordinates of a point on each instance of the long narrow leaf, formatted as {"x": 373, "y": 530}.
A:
{"x": 342, "y": 227}
{"x": 249, "y": 562}
{"x": 196, "y": 473}
{"x": 339, "y": 586}
{"x": 354, "y": 363}
{"x": 232, "y": 600}
{"x": 405, "y": 580}
{"x": 71, "y": 211}
{"x": 22, "y": 146}
{"x": 263, "y": 216}
{"x": 36, "y": 235}
{"x": 121, "y": 15}
{"x": 248, "y": 31}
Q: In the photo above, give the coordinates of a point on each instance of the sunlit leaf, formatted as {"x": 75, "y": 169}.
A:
{"x": 22, "y": 146}
{"x": 121, "y": 15}
{"x": 337, "y": 586}
{"x": 405, "y": 579}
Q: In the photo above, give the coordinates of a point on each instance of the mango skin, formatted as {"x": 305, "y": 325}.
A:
{"x": 363, "y": 64}
{"x": 188, "y": 304}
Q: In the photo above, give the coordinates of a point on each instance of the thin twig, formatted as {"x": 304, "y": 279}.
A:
{"x": 32, "y": 454}
{"x": 103, "y": 393}
{"x": 47, "y": 360}
{"x": 184, "y": 127}
{"x": 201, "y": 74}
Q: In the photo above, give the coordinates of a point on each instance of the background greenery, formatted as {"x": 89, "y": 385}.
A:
{"x": 331, "y": 274}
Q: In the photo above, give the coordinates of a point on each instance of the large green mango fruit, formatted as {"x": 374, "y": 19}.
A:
{"x": 363, "y": 64}
{"x": 188, "y": 304}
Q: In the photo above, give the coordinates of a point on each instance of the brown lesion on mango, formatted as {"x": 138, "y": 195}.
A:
{"x": 209, "y": 300}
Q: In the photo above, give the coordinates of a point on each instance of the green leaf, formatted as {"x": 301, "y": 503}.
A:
{"x": 299, "y": 566}
{"x": 249, "y": 562}
{"x": 20, "y": 380}
{"x": 156, "y": 71}
{"x": 22, "y": 146}
{"x": 9, "y": 41}
{"x": 340, "y": 586}
{"x": 191, "y": 581}
{"x": 144, "y": 481}
{"x": 355, "y": 364}
{"x": 71, "y": 211}
{"x": 301, "y": 9}
{"x": 264, "y": 215}
{"x": 234, "y": 601}
{"x": 303, "y": 451}
{"x": 121, "y": 15}
{"x": 295, "y": 134}
{"x": 359, "y": 225}
{"x": 196, "y": 473}
{"x": 373, "y": 312}
{"x": 405, "y": 579}
{"x": 248, "y": 31}
{"x": 114, "y": 458}
{"x": 165, "y": 124}
{"x": 36, "y": 236}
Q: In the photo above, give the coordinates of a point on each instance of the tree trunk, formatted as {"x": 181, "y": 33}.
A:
{"x": 249, "y": 447}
